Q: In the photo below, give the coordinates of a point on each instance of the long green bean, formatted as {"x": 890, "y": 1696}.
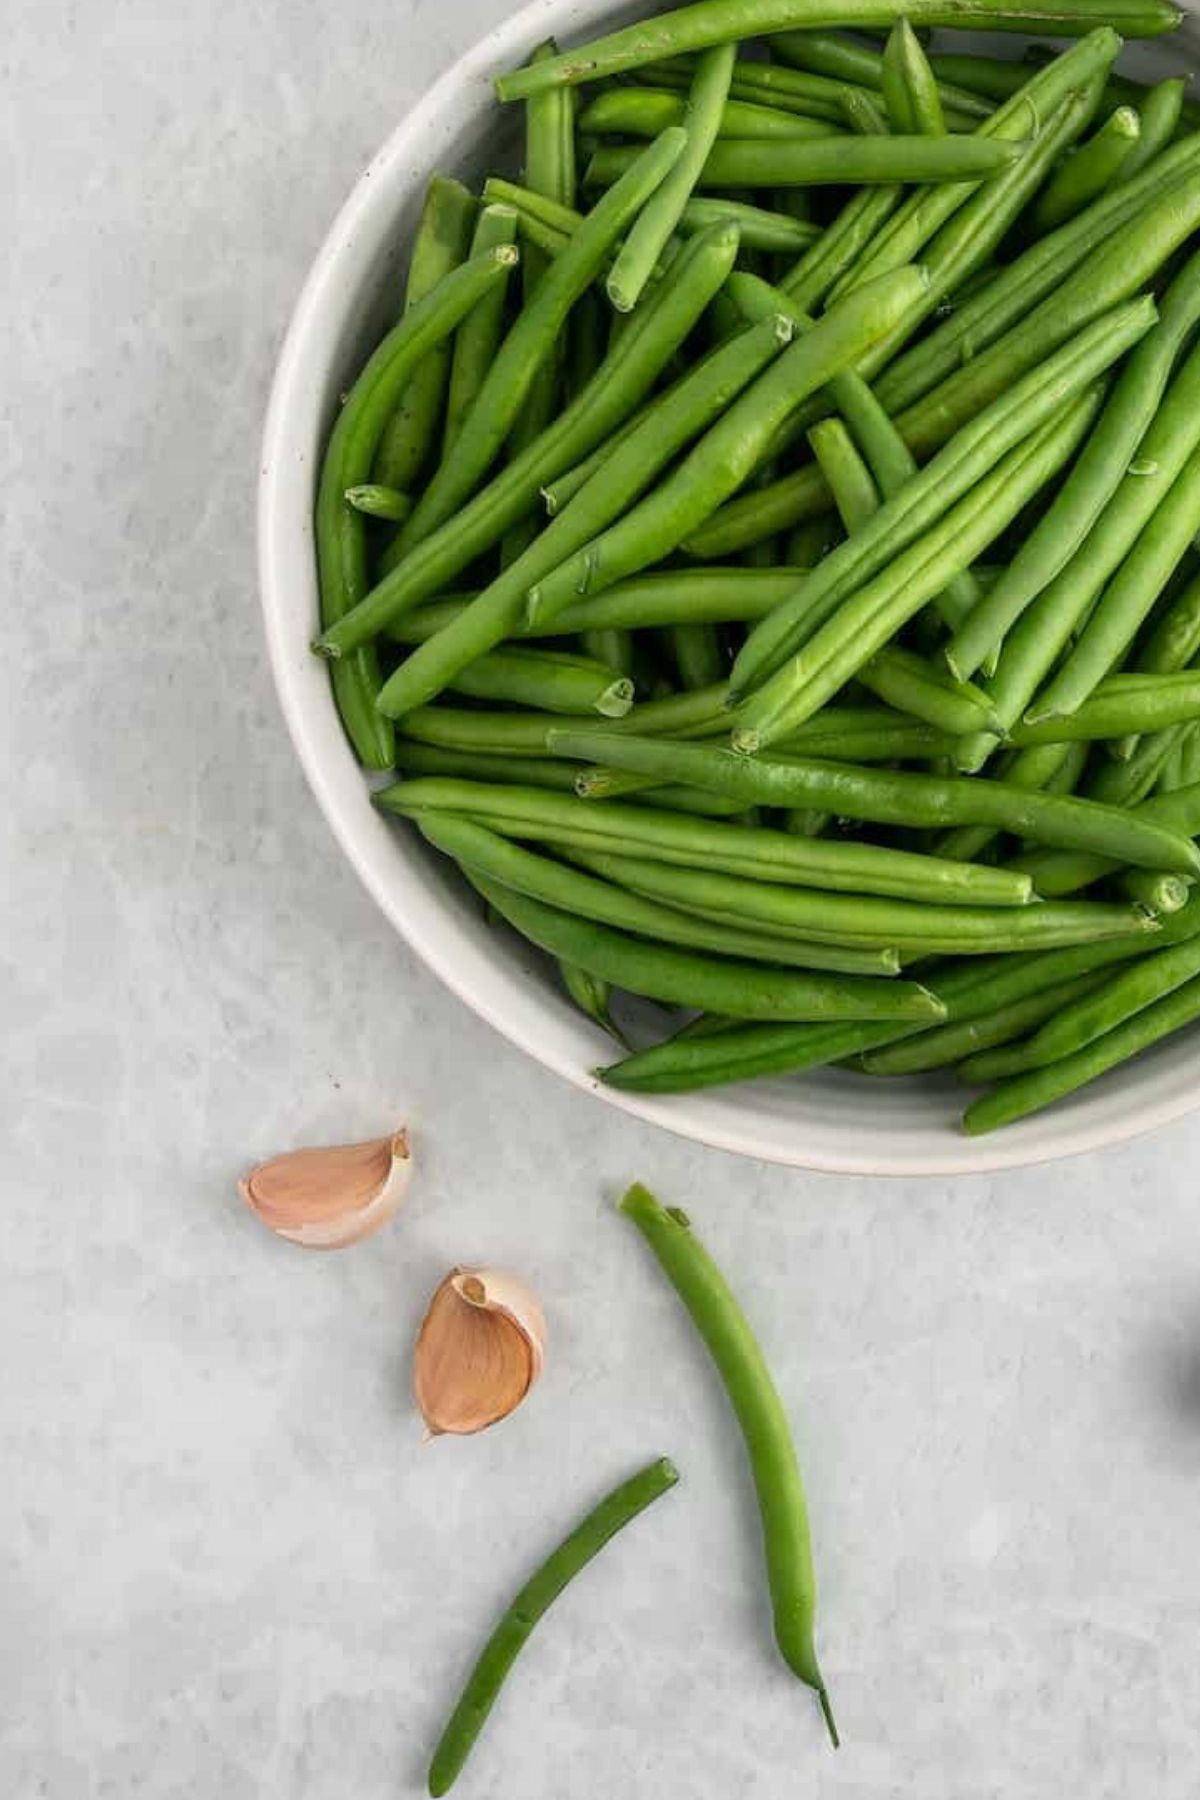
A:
{"x": 644, "y": 112}
{"x": 828, "y": 161}
{"x": 892, "y": 798}
{"x": 523, "y": 1612}
{"x": 742, "y": 990}
{"x": 832, "y": 865}
{"x": 570, "y": 889}
{"x": 477, "y": 337}
{"x": 724, "y": 21}
{"x": 766, "y": 1432}
{"x": 1093, "y": 169}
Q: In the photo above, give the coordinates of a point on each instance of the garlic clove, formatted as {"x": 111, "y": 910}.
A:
{"x": 479, "y": 1350}
{"x": 327, "y": 1198}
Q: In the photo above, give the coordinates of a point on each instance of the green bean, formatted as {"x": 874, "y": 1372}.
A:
{"x": 848, "y": 59}
{"x": 340, "y": 532}
{"x": 837, "y": 734}
{"x": 644, "y": 112}
{"x": 534, "y": 336}
{"x": 663, "y": 597}
{"x": 379, "y": 502}
{"x": 508, "y": 1639}
{"x": 737, "y": 900}
{"x": 910, "y": 87}
{"x": 440, "y": 245}
{"x": 477, "y": 337}
{"x": 850, "y": 480}
{"x": 558, "y": 884}
{"x": 960, "y": 246}
{"x": 833, "y": 865}
{"x": 699, "y": 714}
{"x": 1127, "y": 600}
{"x": 708, "y": 22}
{"x": 1024, "y": 1094}
{"x": 749, "y": 1051}
{"x": 829, "y": 161}
{"x": 1170, "y": 647}
{"x": 706, "y": 984}
{"x": 1090, "y": 172}
{"x": 549, "y": 679}
{"x": 729, "y": 450}
{"x": 549, "y": 171}
{"x": 907, "y": 681}
{"x": 1159, "y": 114}
{"x": 1101, "y": 468}
{"x": 592, "y": 998}
{"x": 945, "y": 1045}
{"x": 1064, "y": 872}
{"x": 660, "y": 215}
{"x": 663, "y": 321}
{"x": 890, "y": 799}
{"x": 953, "y": 472}
{"x": 706, "y": 393}
{"x": 1121, "y": 704}
{"x": 1161, "y": 895}
{"x": 1120, "y": 90}
{"x": 864, "y": 623}
{"x": 762, "y": 1420}
{"x": 1040, "y": 271}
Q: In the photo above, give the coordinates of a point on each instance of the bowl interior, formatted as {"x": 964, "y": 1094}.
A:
{"x": 823, "y": 1120}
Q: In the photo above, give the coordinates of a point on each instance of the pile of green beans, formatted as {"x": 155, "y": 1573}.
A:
{"x": 763, "y": 553}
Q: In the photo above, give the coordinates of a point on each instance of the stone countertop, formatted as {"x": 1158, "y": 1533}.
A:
{"x": 229, "y": 1568}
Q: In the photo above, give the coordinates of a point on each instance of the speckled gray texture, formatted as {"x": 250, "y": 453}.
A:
{"x": 228, "y": 1567}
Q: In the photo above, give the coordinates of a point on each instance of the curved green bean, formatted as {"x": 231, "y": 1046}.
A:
{"x": 766, "y": 1432}
{"x": 688, "y": 978}
{"x": 892, "y": 798}
{"x": 832, "y": 865}
{"x": 340, "y": 531}
{"x": 707, "y": 22}
{"x": 527, "y": 1607}
{"x": 946, "y": 1045}
{"x": 573, "y": 891}
{"x": 913, "y": 929}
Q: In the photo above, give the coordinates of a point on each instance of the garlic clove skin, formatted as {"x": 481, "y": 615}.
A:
{"x": 480, "y": 1349}
{"x": 324, "y": 1199}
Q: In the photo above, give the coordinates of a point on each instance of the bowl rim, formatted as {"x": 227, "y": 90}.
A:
{"x": 488, "y": 985}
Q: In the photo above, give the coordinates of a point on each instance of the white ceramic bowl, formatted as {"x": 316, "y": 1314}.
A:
{"x": 820, "y": 1121}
